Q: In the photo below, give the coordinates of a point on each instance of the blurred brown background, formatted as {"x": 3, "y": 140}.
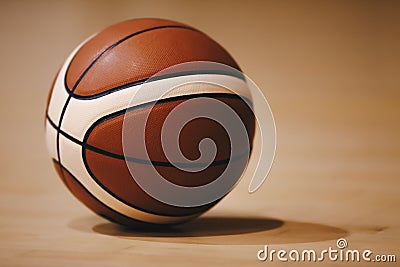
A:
{"x": 330, "y": 71}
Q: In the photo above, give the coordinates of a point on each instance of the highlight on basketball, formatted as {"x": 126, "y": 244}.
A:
{"x": 150, "y": 121}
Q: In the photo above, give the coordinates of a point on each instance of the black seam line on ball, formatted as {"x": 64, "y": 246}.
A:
{"x": 165, "y": 100}
{"x": 159, "y": 78}
{"x": 163, "y": 163}
{"x": 87, "y": 69}
{"x": 98, "y": 182}
{"x": 102, "y": 203}
{"x": 113, "y": 46}
{"x": 66, "y": 135}
{"x": 85, "y": 145}
{"x": 141, "y": 161}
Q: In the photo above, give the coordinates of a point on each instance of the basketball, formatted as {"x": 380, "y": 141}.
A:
{"x": 94, "y": 101}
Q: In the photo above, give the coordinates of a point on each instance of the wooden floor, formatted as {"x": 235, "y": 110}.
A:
{"x": 330, "y": 70}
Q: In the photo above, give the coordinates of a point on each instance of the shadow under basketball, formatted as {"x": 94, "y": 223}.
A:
{"x": 219, "y": 231}
{"x": 207, "y": 226}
